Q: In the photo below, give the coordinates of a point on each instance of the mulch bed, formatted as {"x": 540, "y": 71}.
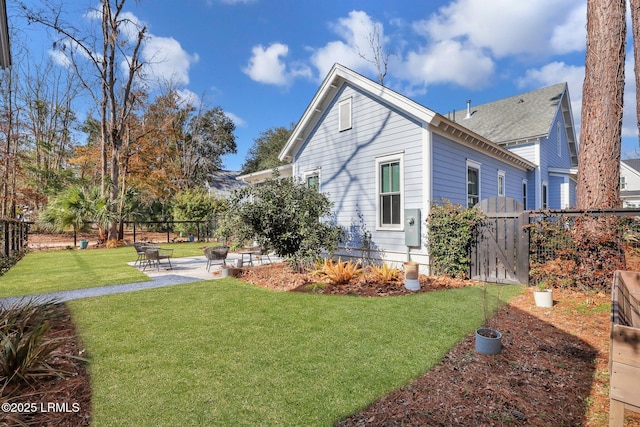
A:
{"x": 58, "y": 401}
{"x": 552, "y": 371}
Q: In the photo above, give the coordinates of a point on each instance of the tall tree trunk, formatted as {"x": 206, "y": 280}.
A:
{"x": 635, "y": 29}
{"x": 602, "y": 102}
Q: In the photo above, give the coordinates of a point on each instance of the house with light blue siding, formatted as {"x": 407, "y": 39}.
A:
{"x": 383, "y": 159}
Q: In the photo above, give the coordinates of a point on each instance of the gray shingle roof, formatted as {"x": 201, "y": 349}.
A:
{"x": 632, "y": 163}
{"x": 520, "y": 117}
{"x": 224, "y": 181}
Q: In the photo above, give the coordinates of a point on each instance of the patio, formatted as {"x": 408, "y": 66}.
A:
{"x": 194, "y": 268}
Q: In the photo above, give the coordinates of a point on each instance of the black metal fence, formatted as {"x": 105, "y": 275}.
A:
{"x": 174, "y": 230}
{"x": 13, "y": 241}
{"x": 583, "y": 248}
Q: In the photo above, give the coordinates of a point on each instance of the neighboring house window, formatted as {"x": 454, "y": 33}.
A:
{"x": 389, "y": 178}
{"x": 559, "y": 139}
{"x": 623, "y": 182}
{"x": 344, "y": 119}
{"x": 473, "y": 183}
{"x": 524, "y": 193}
{"x": 312, "y": 179}
{"x": 501, "y": 184}
{"x": 545, "y": 195}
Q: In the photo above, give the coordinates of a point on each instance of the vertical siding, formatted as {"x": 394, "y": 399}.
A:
{"x": 347, "y": 163}
{"x": 450, "y": 167}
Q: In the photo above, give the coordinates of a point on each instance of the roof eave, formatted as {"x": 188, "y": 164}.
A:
{"x": 338, "y": 76}
{"x": 473, "y": 140}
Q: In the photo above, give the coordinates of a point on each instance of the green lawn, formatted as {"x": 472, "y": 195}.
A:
{"x": 62, "y": 270}
{"x": 223, "y": 352}
{"x": 227, "y": 353}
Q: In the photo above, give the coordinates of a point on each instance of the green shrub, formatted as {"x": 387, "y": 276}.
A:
{"x": 286, "y": 216}
{"x": 24, "y": 346}
{"x": 452, "y": 230}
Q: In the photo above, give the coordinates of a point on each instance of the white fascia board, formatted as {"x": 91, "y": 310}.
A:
{"x": 338, "y": 76}
{"x": 263, "y": 175}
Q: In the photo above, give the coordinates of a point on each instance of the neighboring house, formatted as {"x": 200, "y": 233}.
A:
{"x": 383, "y": 159}
{"x": 538, "y": 126}
{"x": 223, "y": 182}
{"x": 630, "y": 183}
{"x": 285, "y": 171}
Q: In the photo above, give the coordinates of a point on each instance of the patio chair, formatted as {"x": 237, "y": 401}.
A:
{"x": 264, "y": 252}
{"x": 216, "y": 255}
{"x": 140, "y": 248}
{"x": 154, "y": 255}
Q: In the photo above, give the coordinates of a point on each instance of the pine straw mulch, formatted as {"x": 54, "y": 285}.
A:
{"x": 552, "y": 371}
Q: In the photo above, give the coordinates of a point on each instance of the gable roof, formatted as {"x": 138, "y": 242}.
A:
{"x": 339, "y": 75}
{"x": 522, "y": 118}
{"x": 224, "y": 182}
{"x": 633, "y": 164}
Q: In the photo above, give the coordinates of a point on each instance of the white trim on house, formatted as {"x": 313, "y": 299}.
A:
{"x": 472, "y": 164}
{"x": 345, "y": 115}
{"x": 311, "y": 173}
{"x": 325, "y": 95}
{"x": 427, "y": 172}
{"x": 379, "y": 161}
{"x": 502, "y": 183}
{"x": 261, "y": 176}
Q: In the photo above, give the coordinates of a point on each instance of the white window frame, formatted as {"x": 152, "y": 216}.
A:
{"x": 472, "y": 164}
{"x": 379, "y": 161}
{"x": 313, "y": 173}
{"x": 623, "y": 182}
{"x": 502, "y": 183}
{"x": 544, "y": 196}
{"x": 525, "y": 193}
{"x": 345, "y": 115}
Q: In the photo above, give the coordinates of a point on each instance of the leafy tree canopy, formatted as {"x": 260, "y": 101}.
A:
{"x": 264, "y": 152}
{"x": 286, "y": 216}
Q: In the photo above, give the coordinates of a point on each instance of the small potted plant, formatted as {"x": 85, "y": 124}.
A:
{"x": 488, "y": 340}
{"x": 543, "y": 295}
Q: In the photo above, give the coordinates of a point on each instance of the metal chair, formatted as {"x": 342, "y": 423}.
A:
{"x": 140, "y": 248}
{"x": 154, "y": 255}
{"x": 216, "y": 255}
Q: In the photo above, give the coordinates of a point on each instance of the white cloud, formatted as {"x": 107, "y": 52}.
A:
{"x": 355, "y": 31}
{"x": 448, "y": 62}
{"x": 505, "y": 27}
{"x": 571, "y": 35}
{"x": 237, "y": 120}
{"x": 187, "y": 97}
{"x": 167, "y": 60}
{"x": 267, "y": 65}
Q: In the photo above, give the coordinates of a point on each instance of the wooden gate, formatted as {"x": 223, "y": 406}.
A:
{"x": 501, "y": 250}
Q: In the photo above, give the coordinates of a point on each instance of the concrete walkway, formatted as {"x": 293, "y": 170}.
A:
{"x": 185, "y": 270}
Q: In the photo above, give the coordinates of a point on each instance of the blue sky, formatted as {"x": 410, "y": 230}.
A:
{"x": 262, "y": 61}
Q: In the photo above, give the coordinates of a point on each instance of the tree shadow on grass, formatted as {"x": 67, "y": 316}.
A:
{"x": 542, "y": 377}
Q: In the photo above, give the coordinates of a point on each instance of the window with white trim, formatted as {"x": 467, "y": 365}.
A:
{"x": 390, "y": 185}
{"x": 344, "y": 114}
{"x": 473, "y": 183}
{"x": 312, "y": 179}
{"x": 545, "y": 195}
{"x": 501, "y": 183}
{"x": 524, "y": 193}
{"x": 623, "y": 182}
